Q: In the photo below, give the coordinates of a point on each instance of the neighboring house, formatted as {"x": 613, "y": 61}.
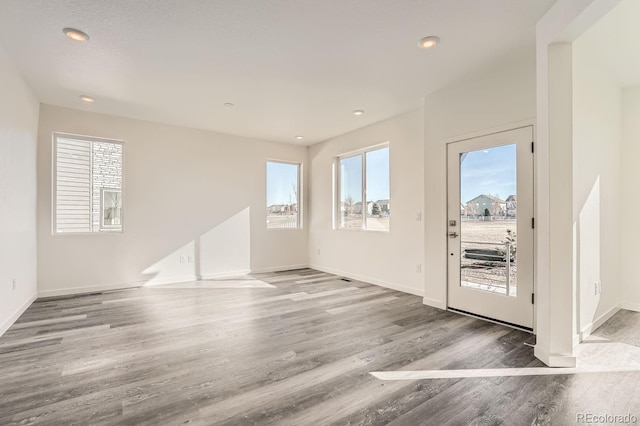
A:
{"x": 357, "y": 208}
{"x": 385, "y": 206}
{"x": 480, "y": 204}
{"x": 275, "y": 208}
{"x": 282, "y": 208}
{"x": 512, "y": 206}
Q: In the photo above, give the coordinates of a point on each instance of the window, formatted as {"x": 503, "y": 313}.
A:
{"x": 363, "y": 190}
{"x": 283, "y": 195}
{"x": 111, "y": 208}
{"x": 87, "y": 190}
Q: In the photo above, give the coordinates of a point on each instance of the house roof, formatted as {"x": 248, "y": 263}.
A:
{"x": 289, "y": 67}
{"x": 491, "y": 197}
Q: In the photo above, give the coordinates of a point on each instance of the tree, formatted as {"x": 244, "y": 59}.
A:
{"x": 375, "y": 210}
{"x": 293, "y": 195}
{"x": 511, "y": 240}
{"x": 472, "y": 209}
{"x": 348, "y": 205}
{"x": 496, "y": 209}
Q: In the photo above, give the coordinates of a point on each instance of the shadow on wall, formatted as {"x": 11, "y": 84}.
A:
{"x": 223, "y": 251}
{"x": 587, "y": 235}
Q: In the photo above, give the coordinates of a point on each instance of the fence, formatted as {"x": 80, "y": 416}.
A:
{"x": 489, "y": 266}
{"x": 282, "y": 222}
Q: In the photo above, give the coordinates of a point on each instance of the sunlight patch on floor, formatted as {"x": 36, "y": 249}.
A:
{"x": 595, "y": 355}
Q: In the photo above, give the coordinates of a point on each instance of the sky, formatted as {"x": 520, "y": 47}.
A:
{"x": 377, "y": 176}
{"x": 282, "y": 178}
{"x": 490, "y": 171}
{"x": 282, "y": 183}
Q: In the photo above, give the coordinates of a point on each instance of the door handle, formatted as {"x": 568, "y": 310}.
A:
{"x": 453, "y": 235}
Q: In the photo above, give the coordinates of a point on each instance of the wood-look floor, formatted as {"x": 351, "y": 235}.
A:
{"x": 297, "y": 353}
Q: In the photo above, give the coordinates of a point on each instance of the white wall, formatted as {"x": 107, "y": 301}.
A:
{"x": 18, "y": 130}
{"x": 495, "y": 97}
{"x": 630, "y": 202}
{"x": 387, "y": 259}
{"x": 556, "y": 295}
{"x": 189, "y": 193}
{"x": 596, "y": 185}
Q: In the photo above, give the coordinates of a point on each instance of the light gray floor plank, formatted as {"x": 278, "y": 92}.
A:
{"x": 296, "y": 351}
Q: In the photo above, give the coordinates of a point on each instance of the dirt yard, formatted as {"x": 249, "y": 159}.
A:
{"x": 484, "y": 274}
{"x": 492, "y": 232}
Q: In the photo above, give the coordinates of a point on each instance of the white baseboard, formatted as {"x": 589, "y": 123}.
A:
{"x": 434, "y": 303}
{"x": 279, "y": 268}
{"x": 90, "y": 289}
{"x": 631, "y": 306}
{"x": 224, "y": 274}
{"x": 170, "y": 280}
{"x": 157, "y": 281}
{"x": 370, "y": 280}
{"x": 15, "y": 315}
{"x": 551, "y": 360}
{"x": 593, "y": 326}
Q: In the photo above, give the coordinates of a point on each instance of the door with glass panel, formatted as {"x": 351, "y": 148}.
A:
{"x": 490, "y": 226}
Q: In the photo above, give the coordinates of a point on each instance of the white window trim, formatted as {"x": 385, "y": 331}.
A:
{"x": 54, "y": 183}
{"x": 299, "y": 225}
{"x": 337, "y": 195}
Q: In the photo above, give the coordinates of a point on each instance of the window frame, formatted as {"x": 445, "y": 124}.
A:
{"x": 299, "y": 216}
{"x": 54, "y": 185}
{"x": 337, "y": 198}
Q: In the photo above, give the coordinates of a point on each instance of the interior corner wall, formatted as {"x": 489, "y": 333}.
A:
{"x": 498, "y": 96}
{"x": 194, "y": 206}
{"x": 18, "y": 131}
{"x": 387, "y": 259}
{"x": 630, "y": 203}
{"x": 555, "y": 292}
{"x": 596, "y": 186}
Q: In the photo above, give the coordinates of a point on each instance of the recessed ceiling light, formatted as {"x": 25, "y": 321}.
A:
{"x": 228, "y": 105}
{"x": 87, "y": 98}
{"x": 76, "y": 35}
{"x": 299, "y": 137}
{"x": 428, "y": 42}
{"x": 358, "y": 112}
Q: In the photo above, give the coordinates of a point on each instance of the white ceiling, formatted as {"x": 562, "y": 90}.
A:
{"x": 615, "y": 42}
{"x": 291, "y": 67}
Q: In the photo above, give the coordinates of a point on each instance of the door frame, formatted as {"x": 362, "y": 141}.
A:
{"x": 445, "y": 240}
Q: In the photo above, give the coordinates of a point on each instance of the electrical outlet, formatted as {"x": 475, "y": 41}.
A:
{"x": 318, "y": 251}
{"x": 14, "y": 285}
{"x": 419, "y": 267}
{"x": 419, "y": 217}
{"x": 182, "y": 259}
{"x": 190, "y": 259}
{"x": 597, "y": 288}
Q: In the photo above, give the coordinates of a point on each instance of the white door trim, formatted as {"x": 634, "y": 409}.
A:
{"x": 478, "y": 140}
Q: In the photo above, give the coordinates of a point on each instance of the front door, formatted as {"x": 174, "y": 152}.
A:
{"x": 490, "y": 226}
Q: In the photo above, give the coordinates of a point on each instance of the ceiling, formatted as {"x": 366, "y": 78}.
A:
{"x": 290, "y": 67}
{"x": 615, "y": 43}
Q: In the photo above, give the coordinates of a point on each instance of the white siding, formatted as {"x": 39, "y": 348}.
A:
{"x": 73, "y": 185}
